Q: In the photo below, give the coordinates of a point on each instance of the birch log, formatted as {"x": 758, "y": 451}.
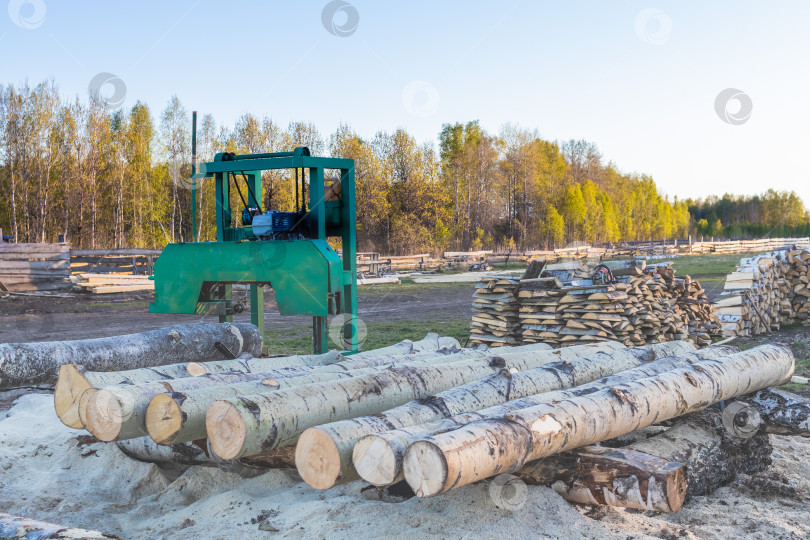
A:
{"x": 484, "y": 448}
{"x": 24, "y": 364}
{"x": 24, "y": 528}
{"x": 122, "y": 411}
{"x": 378, "y": 458}
{"x": 179, "y": 408}
{"x": 74, "y": 380}
{"x": 324, "y": 453}
{"x": 180, "y": 416}
{"x": 431, "y": 342}
{"x": 248, "y": 425}
{"x": 248, "y": 365}
{"x": 197, "y": 453}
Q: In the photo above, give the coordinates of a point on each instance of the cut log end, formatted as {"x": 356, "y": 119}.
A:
{"x": 425, "y": 469}
{"x": 226, "y": 430}
{"x": 103, "y": 416}
{"x": 195, "y": 369}
{"x": 164, "y": 419}
{"x": 69, "y": 388}
{"x": 82, "y": 406}
{"x": 375, "y": 461}
{"x": 317, "y": 459}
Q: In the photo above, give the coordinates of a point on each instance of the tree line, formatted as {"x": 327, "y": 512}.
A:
{"x": 773, "y": 213}
{"x": 73, "y": 169}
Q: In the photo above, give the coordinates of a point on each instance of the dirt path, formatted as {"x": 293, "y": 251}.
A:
{"x": 87, "y": 316}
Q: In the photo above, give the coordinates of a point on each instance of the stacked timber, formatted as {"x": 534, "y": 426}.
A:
{"x": 112, "y": 283}
{"x": 34, "y": 267}
{"x": 756, "y": 297}
{"x": 642, "y": 306}
{"x": 799, "y": 278}
{"x": 495, "y": 319}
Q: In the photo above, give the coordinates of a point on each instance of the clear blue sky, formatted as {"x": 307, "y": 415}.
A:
{"x": 641, "y": 84}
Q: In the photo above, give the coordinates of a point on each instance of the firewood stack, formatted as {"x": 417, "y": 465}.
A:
{"x": 495, "y": 320}
{"x": 759, "y": 296}
{"x": 648, "y": 306}
{"x": 799, "y": 278}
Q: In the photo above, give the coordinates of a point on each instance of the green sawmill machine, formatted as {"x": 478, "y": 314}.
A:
{"x": 285, "y": 250}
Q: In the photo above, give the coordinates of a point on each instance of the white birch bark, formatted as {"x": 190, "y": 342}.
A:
{"x": 324, "y": 453}
{"x": 24, "y": 364}
{"x": 484, "y": 448}
{"x": 248, "y": 425}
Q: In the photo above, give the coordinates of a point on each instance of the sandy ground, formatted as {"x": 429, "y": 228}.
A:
{"x": 50, "y": 472}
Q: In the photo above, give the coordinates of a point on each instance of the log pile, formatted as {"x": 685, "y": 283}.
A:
{"x": 643, "y": 306}
{"x": 765, "y": 292}
{"x": 440, "y": 417}
{"x": 483, "y": 448}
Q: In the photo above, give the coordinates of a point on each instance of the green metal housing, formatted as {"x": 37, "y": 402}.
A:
{"x": 307, "y": 275}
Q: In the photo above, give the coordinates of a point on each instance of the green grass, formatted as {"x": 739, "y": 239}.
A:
{"x": 299, "y": 341}
{"x": 407, "y": 286}
{"x": 707, "y": 265}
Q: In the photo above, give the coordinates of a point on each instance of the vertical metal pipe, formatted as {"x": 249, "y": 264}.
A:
{"x": 194, "y": 180}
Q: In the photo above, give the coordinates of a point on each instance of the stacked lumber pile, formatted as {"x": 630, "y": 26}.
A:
{"x": 645, "y": 305}
{"x": 495, "y": 319}
{"x": 112, "y": 283}
{"x": 34, "y": 267}
{"x": 444, "y": 418}
{"x": 765, "y": 292}
{"x": 799, "y": 278}
{"x": 116, "y": 261}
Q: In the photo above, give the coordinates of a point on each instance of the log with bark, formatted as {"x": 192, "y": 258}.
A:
{"x": 247, "y": 425}
{"x": 24, "y": 528}
{"x": 694, "y": 457}
{"x": 484, "y": 448}
{"x": 26, "y": 364}
{"x": 324, "y": 453}
{"x": 197, "y": 453}
{"x": 612, "y": 476}
{"x": 180, "y": 416}
{"x": 74, "y": 380}
{"x": 251, "y": 364}
{"x": 178, "y": 413}
{"x": 378, "y": 457}
{"x": 782, "y": 412}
